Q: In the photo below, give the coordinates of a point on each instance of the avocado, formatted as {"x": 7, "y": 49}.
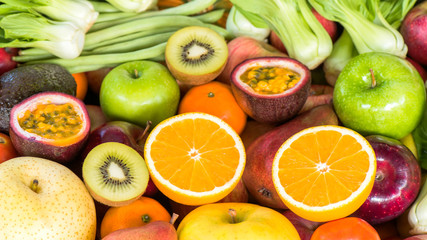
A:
{"x": 25, "y": 81}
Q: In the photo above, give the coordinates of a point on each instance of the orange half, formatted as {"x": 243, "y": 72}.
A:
{"x": 195, "y": 158}
{"x": 324, "y": 173}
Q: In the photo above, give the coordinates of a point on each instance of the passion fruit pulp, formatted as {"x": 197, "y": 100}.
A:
{"x": 271, "y": 89}
{"x": 50, "y": 125}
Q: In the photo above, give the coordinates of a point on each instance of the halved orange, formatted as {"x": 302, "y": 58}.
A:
{"x": 194, "y": 158}
{"x": 324, "y": 173}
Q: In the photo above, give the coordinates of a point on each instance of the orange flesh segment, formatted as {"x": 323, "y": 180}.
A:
{"x": 335, "y": 164}
{"x": 195, "y": 155}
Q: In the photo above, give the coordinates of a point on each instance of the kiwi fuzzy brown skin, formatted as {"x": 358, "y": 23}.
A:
{"x": 274, "y": 108}
{"x": 27, "y": 145}
{"x": 211, "y": 63}
{"x": 104, "y": 184}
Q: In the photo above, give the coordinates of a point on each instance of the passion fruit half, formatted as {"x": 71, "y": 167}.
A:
{"x": 271, "y": 89}
{"x": 50, "y": 125}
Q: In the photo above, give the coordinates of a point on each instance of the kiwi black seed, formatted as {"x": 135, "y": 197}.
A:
{"x": 115, "y": 174}
{"x": 196, "y": 55}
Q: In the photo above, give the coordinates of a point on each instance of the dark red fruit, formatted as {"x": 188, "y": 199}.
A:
{"x": 271, "y": 108}
{"x": 6, "y": 62}
{"x": 397, "y": 181}
{"x": 50, "y": 125}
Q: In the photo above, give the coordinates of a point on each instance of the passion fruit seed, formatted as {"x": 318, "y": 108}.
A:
{"x": 270, "y": 80}
{"x": 52, "y": 121}
{"x": 196, "y": 52}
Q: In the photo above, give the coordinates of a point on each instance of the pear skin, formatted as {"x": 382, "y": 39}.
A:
{"x": 158, "y": 230}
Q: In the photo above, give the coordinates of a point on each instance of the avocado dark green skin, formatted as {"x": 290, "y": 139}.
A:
{"x": 25, "y": 81}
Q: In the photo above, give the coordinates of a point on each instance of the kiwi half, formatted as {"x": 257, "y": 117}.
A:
{"x": 115, "y": 174}
{"x": 196, "y": 55}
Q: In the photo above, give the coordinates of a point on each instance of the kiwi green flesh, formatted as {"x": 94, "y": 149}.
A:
{"x": 197, "y": 52}
{"x": 115, "y": 174}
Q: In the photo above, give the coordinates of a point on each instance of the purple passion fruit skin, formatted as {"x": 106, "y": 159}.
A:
{"x": 271, "y": 108}
{"x": 54, "y": 147}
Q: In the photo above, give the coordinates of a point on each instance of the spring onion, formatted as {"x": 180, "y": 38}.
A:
{"x": 302, "y": 34}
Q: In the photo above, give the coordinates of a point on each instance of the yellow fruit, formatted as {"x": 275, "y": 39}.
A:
{"x": 230, "y": 221}
{"x": 194, "y": 158}
{"x": 55, "y": 206}
{"x": 324, "y": 173}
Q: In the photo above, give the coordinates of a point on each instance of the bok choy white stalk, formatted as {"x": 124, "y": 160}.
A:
{"x": 365, "y": 23}
{"x": 304, "y": 37}
{"x": 79, "y": 12}
{"x": 238, "y": 25}
{"x": 23, "y": 30}
{"x": 393, "y": 11}
{"x": 134, "y": 5}
{"x": 417, "y": 216}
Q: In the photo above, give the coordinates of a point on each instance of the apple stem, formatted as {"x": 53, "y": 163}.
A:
{"x": 173, "y": 218}
{"x": 233, "y": 215}
{"x": 2, "y": 140}
{"x": 143, "y": 135}
{"x": 34, "y": 185}
{"x": 137, "y": 73}
{"x": 374, "y": 83}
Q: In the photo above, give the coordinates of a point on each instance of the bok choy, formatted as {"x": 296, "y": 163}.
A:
{"x": 134, "y": 5}
{"x": 365, "y": 23}
{"x": 304, "y": 37}
{"x": 238, "y": 25}
{"x": 393, "y": 11}
{"x": 79, "y": 12}
{"x": 23, "y": 30}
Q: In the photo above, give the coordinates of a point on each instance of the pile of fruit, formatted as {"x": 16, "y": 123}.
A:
{"x": 216, "y": 120}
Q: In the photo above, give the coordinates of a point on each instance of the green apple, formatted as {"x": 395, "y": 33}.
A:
{"x": 227, "y": 221}
{"x": 42, "y": 199}
{"x": 379, "y": 93}
{"x": 138, "y": 92}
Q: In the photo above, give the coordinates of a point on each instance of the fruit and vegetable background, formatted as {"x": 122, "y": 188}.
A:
{"x": 97, "y": 96}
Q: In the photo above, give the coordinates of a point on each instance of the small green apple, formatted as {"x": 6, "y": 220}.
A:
{"x": 138, "y": 92}
{"x": 227, "y": 221}
{"x": 379, "y": 93}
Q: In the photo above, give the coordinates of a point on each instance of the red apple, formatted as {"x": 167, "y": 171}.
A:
{"x": 6, "y": 62}
{"x": 304, "y": 227}
{"x": 243, "y": 48}
{"x": 7, "y": 151}
{"x": 421, "y": 70}
{"x": 414, "y": 31}
{"x": 330, "y": 27}
{"x": 397, "y": 181}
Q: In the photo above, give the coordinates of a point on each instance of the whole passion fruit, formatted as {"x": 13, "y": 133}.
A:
{"x": 271, "y": 89}
{"x": 50, "y": 125}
